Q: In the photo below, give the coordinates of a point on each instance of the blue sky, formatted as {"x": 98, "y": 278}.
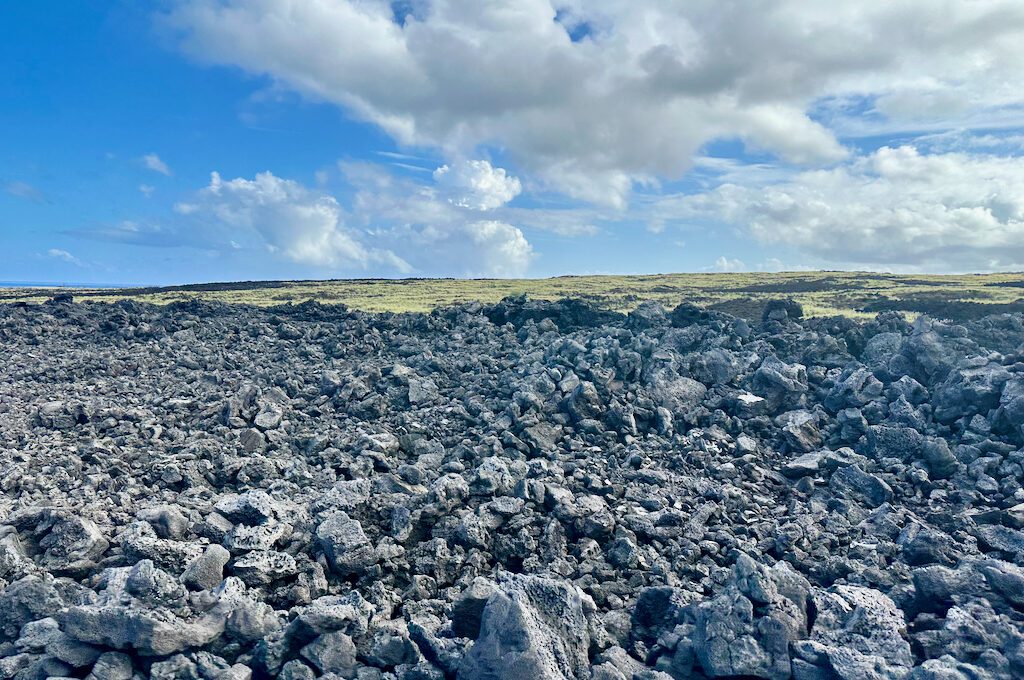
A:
{"x": 199, "y": 140}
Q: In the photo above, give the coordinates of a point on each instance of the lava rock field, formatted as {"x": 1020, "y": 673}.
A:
{"x": 526, "y": 490}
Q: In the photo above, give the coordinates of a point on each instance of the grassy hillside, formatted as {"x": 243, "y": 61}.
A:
{"x": 821, "y": 293}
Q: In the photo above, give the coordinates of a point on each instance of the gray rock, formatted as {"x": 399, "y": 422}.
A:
{"x": 674, "y": 392}
{"x": 542, "y": 437}
{"x": 296, "y": 670}
{"x": 346, "y": 546}
{"x": 970, "y": 390}
{"x": 28, "y": 599}
{"x": 468, "y": 608}
{"x": 35, "y": 635}
{"x": 857, "y": 387}
{"x": 803, "y": 465}
{"x": 390, "y": 646}
{"x": 779, "y": 383}
{"x": 852, "y": 482}
{"x": 584, "y": 402}
{"x": 332, "y": 652}
{"x": 939, "y": 458}
{"x": 112, "y": 666}
{"x": 532, "y": 627}
{"x": 67, "y": 541}
{"x": 72, "y": 652}
{"x": 800, "y": 430}
{"x": 863, "y": 621}
{"x": 206, "y": 571}
{"x": 252, "y": 507}
{"x": 263, "y": 567}
{"x": 269, "y": 417}
{"x": 167, "y": 520}
{"x": 1010, "y": 414}
{"x": 243, "y": 537}
{"x": 747, "y": 630}
{"x": 175, "y": 668}
{"x": 150, "y": 633}
{"x": 903, "y": 443}
{"x": 136, "y": 612}
{"x": 1004, "y": 539}
{"x": 252, "y": 440}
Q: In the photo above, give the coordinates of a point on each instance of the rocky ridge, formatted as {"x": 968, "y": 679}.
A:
{"x": 522, "y": 490}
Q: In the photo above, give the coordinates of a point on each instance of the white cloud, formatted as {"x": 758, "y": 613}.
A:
{"x": 895, "y": 208}
{"x": 486, "y": 248}
{"x": 965, "y": 140}
{"x": 302, "y": 225}
{"x": 724, "y": 264}
{"x": 24, "y": 190}
{"x": 477, "y": 184}
{"x": 146, "y": 190}
{"x": 65, "y": 256}
{"x": 394, "y": 224}
{"x": 154, "y": 163}
{"x": 646, "y": 89}
{"x": 435, "y": 234}
{"x": 507, "y": 252}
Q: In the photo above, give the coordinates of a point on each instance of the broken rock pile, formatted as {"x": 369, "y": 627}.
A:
{"x": 523, "y": 490}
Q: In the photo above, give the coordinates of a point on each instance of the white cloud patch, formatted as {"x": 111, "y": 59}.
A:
{"x": 895, "y": 208}
{"x": 64, "y": 256}
{"x": 394, "y": 225}
{"x": 146, "y": 190}
{"x": 725, "y": 264}
{"x": 153, "y": 162}
{"x": 24, "y": 190}
{"x": 302, "y": 225}
{"x": 507, "y": 252}
{"x": 477, "y": 184}
{"x": 481, "y": 249}
{"x": 644, "y": 88}
{"x": 433, "y": 232}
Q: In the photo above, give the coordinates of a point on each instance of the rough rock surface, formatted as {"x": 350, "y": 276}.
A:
{"x": 522, "y": 490}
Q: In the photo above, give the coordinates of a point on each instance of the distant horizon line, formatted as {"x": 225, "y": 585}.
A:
{"x": 81, "y": 284}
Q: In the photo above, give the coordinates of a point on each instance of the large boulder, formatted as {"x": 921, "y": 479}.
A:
{"x": 62, "y": 540}
{"x": 747, "y": 630}
{"x": 779, "y": 383}
{"x": 852, "y": 483}
{"x": 345, "y": 544}
{"x": 975, "y": 388}
{"x": 143, "y": 609}
{"x": 532, "y": 627}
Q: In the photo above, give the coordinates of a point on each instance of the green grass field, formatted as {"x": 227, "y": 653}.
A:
{"x": 821, "y": 293}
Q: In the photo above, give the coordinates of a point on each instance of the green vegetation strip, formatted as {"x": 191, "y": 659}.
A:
{"x": 821, "y": 293}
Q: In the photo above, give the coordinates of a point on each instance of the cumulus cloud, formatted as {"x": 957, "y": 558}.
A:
{"x": 440, "y": 236}
{"x": 894, "y": 208}
{"x": 590, "y": 98}
{"x": 153, "y": 162}
{"x": 394, "y": 225}
{"x": 725, "y": 264}
{"x": 506, "y": 249}
{"x": 477, "y": 184}
{"x": 304, "y": 226}
{"x": 486, "y": 248}
{"x": 64, "y": 255}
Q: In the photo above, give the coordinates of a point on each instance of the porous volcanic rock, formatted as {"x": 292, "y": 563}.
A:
{"x": 529, "y": 489}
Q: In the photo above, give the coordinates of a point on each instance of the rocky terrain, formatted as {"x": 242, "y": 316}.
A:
{"x": 523, "y": 490}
